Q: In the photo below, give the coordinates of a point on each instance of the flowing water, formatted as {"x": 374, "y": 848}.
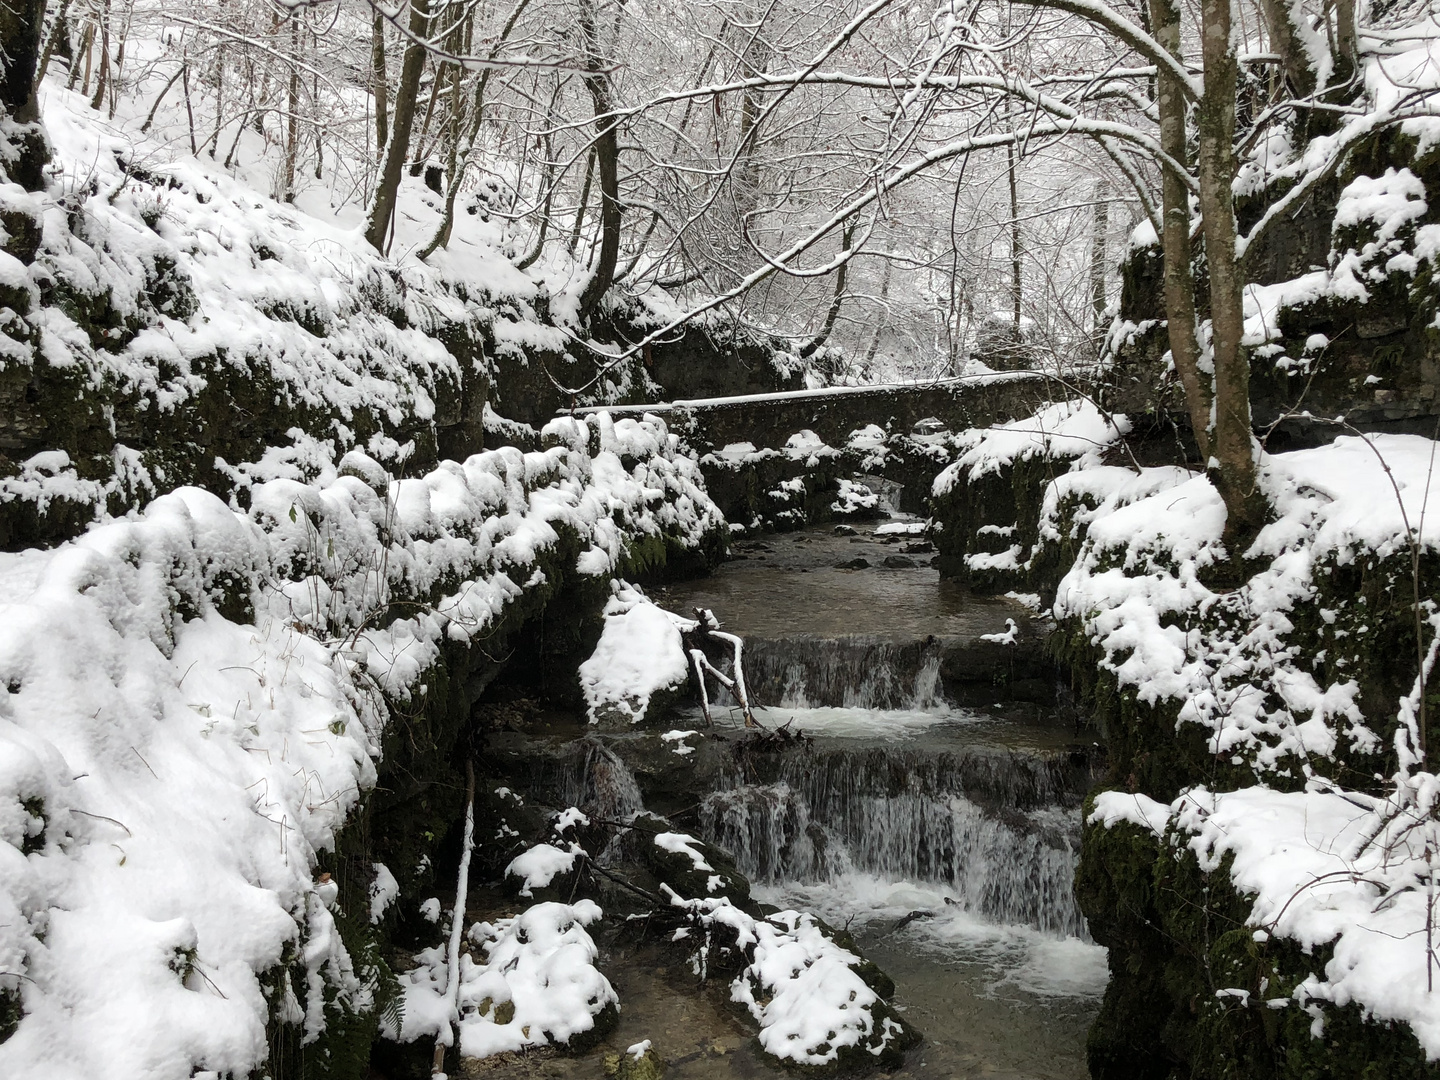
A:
{"x": 941, "y": 833}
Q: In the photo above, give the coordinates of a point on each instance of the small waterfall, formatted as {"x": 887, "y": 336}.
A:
{"x": 997, "y": 829}
{"x": 767, "y": 827}
{"x": 601, "y": 784}
{"x": 854, "y": 672}
{"x": 890, "y": 492}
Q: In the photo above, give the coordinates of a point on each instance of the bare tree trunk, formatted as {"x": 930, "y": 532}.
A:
{"x": 292, "y": 125}
{"x": 57, "y": 35}
{"x": 1285, "y": 39}
{"x": 20, "y": 27}
{"x": 189, "y": 108}
{"x": 1345, "y": 36}
{"x": 119, "y": 64}
{"x": 1098, "y": 256}
{"x": 584, "y": 202}
{"x": 1179, "y": 269}
{"x": 1016, "y": 285}
{"x": 85, "y": 40}
{"x": 155, "y": 105}
{"x": 102, "y": 77}
{"x": 811, "y": 347}
{"x": 437, "y": 84}
{"x": 380, "y": 80}
{"x": 459, "y": 161}
{"x": 755, "y": 58}
{"x": 607, "y": 161}
{"x": 880, "y": 316}
{"x": 1233, "y": 450}
{"x": 382, "y": 210}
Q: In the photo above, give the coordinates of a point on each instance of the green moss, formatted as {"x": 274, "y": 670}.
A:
{"x": 32, "y": 842}
{"x": 11, "y": 1012}
{"x": 1176, "y": 936}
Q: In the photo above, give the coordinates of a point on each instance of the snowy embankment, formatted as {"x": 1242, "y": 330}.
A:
{"x": 1329, "y": 830}
{"x": 170, "y": 323}
{"x": 195, "y": 701}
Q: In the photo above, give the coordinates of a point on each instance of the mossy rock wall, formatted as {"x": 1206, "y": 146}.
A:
{"x": 411, "y": 820}
{"x": 1177, "y": 936}
{"x": 1381, "y": 366}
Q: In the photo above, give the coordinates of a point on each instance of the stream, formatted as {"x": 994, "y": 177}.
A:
{"x": 934, "y": 809}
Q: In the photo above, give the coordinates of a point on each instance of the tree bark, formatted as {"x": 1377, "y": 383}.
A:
{"x": 102, "y": 76}
{"x": 832, "y": 315}
{"x": 579, "y": 225}
{"x": 883, "y": 312}
{"x": 607, "y": 164}
{"x": 292, "y": 122}
{"x": 381, "y": 82}
{"x": 459, "y": 161}
{"x": 1179, "y": 271}
{"x": 382, "y": 210}
{"x": 20, "y": 30}
{"x": 1016, "y": 284}
{"x": 1233, "y": 450}
{"x": 1345, "y": 37}
{"x": 1098, "y": 257}
{"x": 58, "y": 33}
{"x": 1279, "y": 15}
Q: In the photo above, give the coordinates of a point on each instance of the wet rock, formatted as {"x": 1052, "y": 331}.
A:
{"x": 919, "y": 547}
{"x": 639, "y": 1062}
{"x": 853, "y": 564}
{"x": 690, "y": 866}
{"x": 899, "y": 562}
{"x": 844, "y": 530}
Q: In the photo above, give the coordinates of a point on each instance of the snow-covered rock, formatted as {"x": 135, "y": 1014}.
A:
{"x": 640, "y": 656}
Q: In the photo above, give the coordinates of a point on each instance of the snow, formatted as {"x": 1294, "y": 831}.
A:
{"x": 1006, "y": 638}
{"x": 1113, "y": 807}
{"x": 853, "y": 498}
{"x": 986, "y": 379}
{"x": 640, "y": 654}
{"x": 682, "y": 843}
{"x": 540, "y": 865}
{"x": 191, "y": 769}
{"x": 678, "y": 737}
{"x": 383, "y": 891}
{"x": 797, "y": 983}
{"x": 1074, "y": 430}
{"x": 534, "y": 983}
{"x": 901, "y": 528}
{"x": 1304, "y": 858}
{"x": 1322, "y": 865}
{"x": 1139, "y": 571}
{"x": 802, "y": 990}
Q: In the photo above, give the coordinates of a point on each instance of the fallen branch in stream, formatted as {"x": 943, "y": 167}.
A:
{"x": 708, "y": 629}
{"x": 626, "y": 884}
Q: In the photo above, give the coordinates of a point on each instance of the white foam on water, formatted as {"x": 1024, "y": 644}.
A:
{"x": 842, "y": 723}
{"x": 1018, "y": 959}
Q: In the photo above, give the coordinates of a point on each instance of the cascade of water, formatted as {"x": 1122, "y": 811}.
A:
{"x": 601, "y": 784}
{"x": 855, "y": 672}
{"x": 995, "y": 829}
